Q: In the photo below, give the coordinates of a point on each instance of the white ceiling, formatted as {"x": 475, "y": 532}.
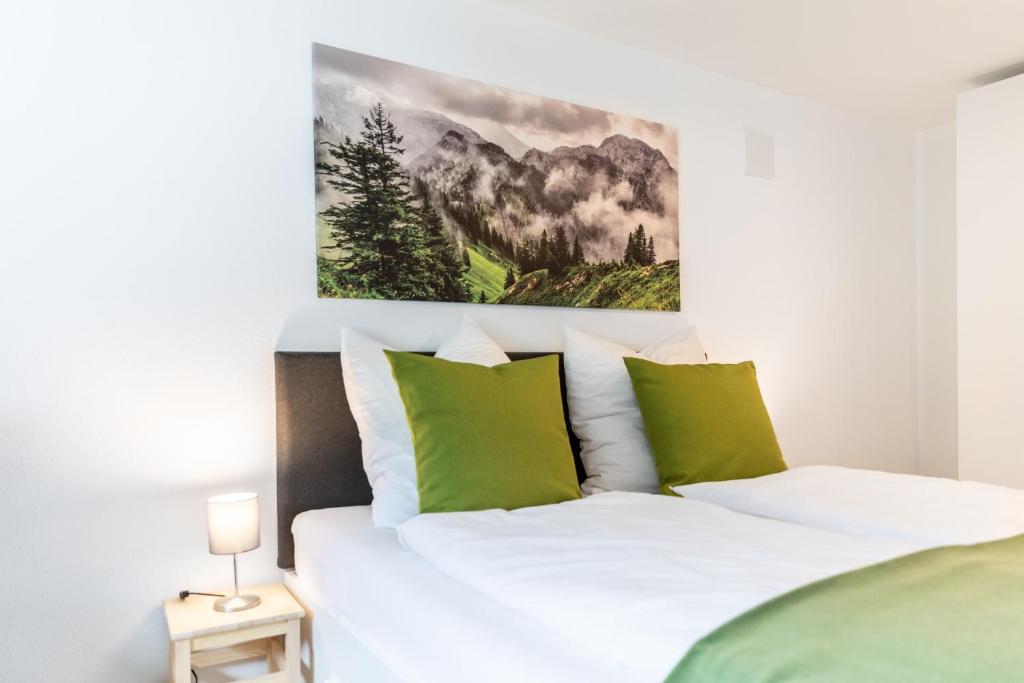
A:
{"x": 899, "y": 60}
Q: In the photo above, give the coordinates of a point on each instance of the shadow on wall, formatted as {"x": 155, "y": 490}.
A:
{"x": 421, "y": 325}
{"x": 114, "y": 620}
{"x": 1000, "y": 74}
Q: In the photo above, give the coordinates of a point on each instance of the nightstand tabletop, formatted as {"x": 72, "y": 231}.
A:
{"x": 194, "y": 616}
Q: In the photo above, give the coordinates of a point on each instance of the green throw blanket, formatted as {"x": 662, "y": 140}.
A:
{"x": 948, "y": 614}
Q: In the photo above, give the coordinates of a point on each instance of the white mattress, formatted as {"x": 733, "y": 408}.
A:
{"x": 422, "y": 624}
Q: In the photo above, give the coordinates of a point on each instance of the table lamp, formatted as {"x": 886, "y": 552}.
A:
{"x": 233, "y": 521}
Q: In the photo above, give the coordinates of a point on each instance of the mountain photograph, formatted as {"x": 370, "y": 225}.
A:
{"x": 431, "y": 187}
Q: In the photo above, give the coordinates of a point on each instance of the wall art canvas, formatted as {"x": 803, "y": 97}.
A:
{"x": 431, "y": 187}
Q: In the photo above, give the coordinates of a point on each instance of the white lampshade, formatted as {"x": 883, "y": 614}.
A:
{"x": 233, "y": 521}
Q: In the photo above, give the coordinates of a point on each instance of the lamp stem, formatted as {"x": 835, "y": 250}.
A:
{"x": 236, "y": 602}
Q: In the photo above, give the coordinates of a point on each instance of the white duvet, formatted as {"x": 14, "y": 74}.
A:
{"x": 904, "y": 507}
{"x": 636, "y": 578}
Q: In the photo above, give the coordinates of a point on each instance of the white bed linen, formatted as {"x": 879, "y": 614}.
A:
{"x": 340, "y": 656}
{"x": 635, "y": 578}
{"x": 422, "y": 624}
{"x": 908, "y": 507}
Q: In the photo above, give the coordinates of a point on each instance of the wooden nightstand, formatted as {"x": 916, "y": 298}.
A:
{"x": 202, "y": 637}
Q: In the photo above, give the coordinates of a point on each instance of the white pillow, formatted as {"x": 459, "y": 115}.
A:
{"x": 604, "y": 412}
{"x": 373, "y": 398}
{"x": 470, "y": 344}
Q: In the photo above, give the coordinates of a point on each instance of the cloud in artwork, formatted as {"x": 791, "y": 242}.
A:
{"x": 539, "y": 122}
{"x": 604, "y": 207}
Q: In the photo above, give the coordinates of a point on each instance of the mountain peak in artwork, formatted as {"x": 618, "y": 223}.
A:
{"x": 617, "y": 158}
{"x": 581, "y": 152}
{"x": 470, "y": 168}
{"x": 420, "y": 129}
{"x": 454, "y": 141}
{"x": 633, "y": 156}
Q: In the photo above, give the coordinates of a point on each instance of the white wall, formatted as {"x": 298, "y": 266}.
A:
{"x": 990, "y": 277}
{"x": 936, "y": 302}
{"x": 158, "y": 243}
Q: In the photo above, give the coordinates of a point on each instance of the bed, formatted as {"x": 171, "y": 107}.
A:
{"x": 357, "y": 632}
{"x": 613, "y": 587}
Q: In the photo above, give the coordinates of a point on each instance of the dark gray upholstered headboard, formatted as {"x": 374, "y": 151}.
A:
{"x": 319, "y": 458}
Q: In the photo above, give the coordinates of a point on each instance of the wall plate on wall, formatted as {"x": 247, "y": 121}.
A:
{"x": 760, "y": 155}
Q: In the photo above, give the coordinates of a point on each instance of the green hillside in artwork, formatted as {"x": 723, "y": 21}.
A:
{"x": 486, "y": 273}
{"x": 650, "y": 287}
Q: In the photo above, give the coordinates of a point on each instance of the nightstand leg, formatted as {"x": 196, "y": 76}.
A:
{"x": 275, "y": 654}
{"x": 181, "y": 661}
{"x": 292, "y": 651}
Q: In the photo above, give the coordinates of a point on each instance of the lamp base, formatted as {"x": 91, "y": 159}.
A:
{"x": 236, "y": 603}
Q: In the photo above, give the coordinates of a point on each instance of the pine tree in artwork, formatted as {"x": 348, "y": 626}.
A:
{"x": 640, "y": 246}
{"x": 415, "y": 273}
{"x": 391, "y": 187}
{"x": 629, "y": 256}
{"x": 355, "y": 223}
{"x": 377, "y": 229}
{"x": 639, "y": 249}
{"x": 559, "y": 252}
{"x": 577, "y": 251}
{"x": 482, "y": 299}
{"x": 544, "y": 251}
{"x": 510, "y": 278}
{"x": 525, "y": 255}
{"x": 446, "y": 263}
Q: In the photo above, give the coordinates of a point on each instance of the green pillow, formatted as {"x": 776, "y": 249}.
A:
{"x": 486, "y": 437}
{"x": 705, "y": 422}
